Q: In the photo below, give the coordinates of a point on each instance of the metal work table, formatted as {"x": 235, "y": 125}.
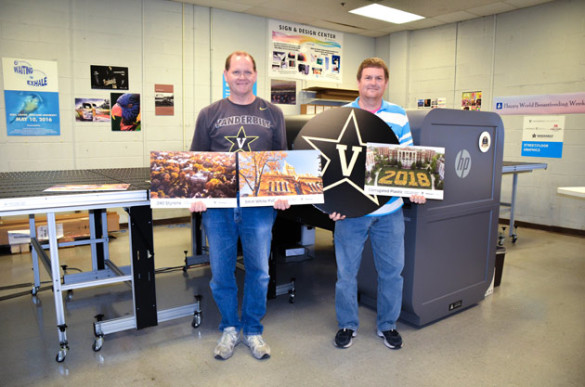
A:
{"x": 516, "y": 167}
{"x": 23, "y": 193}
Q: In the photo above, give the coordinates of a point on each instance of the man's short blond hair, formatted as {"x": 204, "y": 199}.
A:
{"x": 373, "y": 62}
{"x": 238, "y": 53}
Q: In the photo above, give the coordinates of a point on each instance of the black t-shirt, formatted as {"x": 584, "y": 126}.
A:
{"x": 225, "y": 126}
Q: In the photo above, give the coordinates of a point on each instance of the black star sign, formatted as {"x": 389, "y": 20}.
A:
{"x": 341, "y": 136}
{"x": 240, "y": 141}
{"x": 345, "y": 155}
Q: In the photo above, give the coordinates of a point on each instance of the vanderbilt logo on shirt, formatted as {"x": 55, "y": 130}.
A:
{"x": 242, "y": 120}
{"x": 241, "y": 142}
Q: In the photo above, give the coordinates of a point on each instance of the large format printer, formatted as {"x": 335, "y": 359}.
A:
{"x": 450, "y": 244}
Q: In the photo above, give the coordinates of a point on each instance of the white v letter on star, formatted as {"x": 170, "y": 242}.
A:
{"x": 240, "y": 141}
{"x": 329, "y": 153}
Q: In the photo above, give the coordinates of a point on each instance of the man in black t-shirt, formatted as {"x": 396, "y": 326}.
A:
{"x": 241, "y": 122}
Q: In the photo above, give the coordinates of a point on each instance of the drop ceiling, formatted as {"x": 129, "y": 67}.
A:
{"x": 334, "y": 15}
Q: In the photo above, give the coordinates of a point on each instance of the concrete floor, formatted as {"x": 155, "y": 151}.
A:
{"x": 529, "y": 332}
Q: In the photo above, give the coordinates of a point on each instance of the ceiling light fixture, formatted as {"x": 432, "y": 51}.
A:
{"x": 387, "y": 14}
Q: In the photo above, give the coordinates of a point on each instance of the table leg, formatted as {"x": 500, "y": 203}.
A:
{"x": 34, "y": 256}
{"x": 142, "y": 248}
{"x": 512, "y": 232}
{"x": 57, "y": 294}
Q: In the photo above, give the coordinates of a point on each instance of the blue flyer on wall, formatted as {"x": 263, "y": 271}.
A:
{"x": 31, "y": 96}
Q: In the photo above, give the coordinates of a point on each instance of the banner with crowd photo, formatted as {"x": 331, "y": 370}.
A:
{"x": 304, "y": 52}
{"x": 179, "y": 177}
{"x": 31, "y": 97}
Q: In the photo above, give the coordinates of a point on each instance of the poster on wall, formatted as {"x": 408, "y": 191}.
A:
{"x": 570, "y": 103}
{"x": 471, "y": 100}
{"x": 164, "y": 100}
{"x": 542, "y": 136}
{"x": 283, "y": 92}
{"x": 109, "y": 77}
{"x": 394, "y": 170}
{"x": 92, "y": 109}
{"x": 304, "y": 52}
{"x": 267, "y": 176}
{"x": 423, "y": 103}
{"x": 434, "y": 103}
{"x": 125, "y": 112}
{"x": 31, "y": 97}
{"x": 439, "y": 103}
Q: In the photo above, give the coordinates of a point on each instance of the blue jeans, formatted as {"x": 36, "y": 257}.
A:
{"x": 387, "y": 237}
{"x": 253, "y": 225}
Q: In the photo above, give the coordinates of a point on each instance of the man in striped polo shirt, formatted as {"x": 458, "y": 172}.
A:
{"x": 385, "y": 227}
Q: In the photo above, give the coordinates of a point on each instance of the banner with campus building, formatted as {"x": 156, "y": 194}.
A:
{"x": 394, "y": 170}
{"x": 267, "y": 176}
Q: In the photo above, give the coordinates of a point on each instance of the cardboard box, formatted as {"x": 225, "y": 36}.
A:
{"x": 72, "y": 225}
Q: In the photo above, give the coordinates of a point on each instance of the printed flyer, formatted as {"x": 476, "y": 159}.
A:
{"x": 176, "y": 178}
{"x": 542, "y": 136}
{"x": 304, "y": 52}
{"x": 267, "y": 176}
{"x": 394, "y": 170}
{"x": 31, "y": 96}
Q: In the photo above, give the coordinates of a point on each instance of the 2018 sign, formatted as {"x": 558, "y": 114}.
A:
{"x": 403, "y": 171}
{"x": 405, "y": 178}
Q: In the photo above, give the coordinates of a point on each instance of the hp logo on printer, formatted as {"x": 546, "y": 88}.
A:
{"x": 463, "y": 163}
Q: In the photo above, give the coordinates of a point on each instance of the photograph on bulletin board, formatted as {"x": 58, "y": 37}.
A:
{"x": 125, "y": 112}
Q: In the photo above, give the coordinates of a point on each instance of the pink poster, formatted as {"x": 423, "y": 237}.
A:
{"x": 572, "y": 103}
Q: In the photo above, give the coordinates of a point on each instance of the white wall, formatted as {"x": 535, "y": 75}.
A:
{"x": 538, "y": 50}
{"x": 531, "y": 51}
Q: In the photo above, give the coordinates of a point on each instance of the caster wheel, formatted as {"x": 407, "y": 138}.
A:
{"x": 35, "y": 290}
{"x": 97, "y": 344}
{"x": 60, "y": 358}
{"x": 196, "y": 320}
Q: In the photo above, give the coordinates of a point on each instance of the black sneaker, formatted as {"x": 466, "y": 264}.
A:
{"x": 343, "y": 338}
{"x": 392, "y": 338}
